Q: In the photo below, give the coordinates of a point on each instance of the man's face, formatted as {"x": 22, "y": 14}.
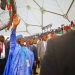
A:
{"x": 35, "y": 41}
{"x": 22, "y": 41}
{"x": 28, "y": 43}
{"x": 31, "y": 42}
{"x": 45, "y": 37}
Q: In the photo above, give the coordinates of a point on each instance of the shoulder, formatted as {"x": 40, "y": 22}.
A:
{"x": 60, "y": 42}
{"x": 64, "y": 38}
{"x": 18, "y": 46}
{"x": 28, "y": 50}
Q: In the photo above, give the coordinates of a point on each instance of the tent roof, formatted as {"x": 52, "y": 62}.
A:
{"x": 35, "y": 14}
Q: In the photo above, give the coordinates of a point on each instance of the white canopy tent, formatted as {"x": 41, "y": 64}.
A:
{"x": 35, "y": 14}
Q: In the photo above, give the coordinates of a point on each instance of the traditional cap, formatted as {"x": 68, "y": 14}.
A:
{"x": 18, "y": 37}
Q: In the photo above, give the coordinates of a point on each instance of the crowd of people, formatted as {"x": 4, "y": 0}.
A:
{"x": 36, "y": 47}
{"x": 4, "y": 51}
{"x": 19, "y": 56}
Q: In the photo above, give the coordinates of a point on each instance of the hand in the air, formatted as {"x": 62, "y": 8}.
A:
{"x": 16, "y": 22}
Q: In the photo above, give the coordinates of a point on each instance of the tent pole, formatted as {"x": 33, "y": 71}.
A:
{"x": 42, "y": 19}
{"x": 37, "y": 4}
{"x": 70, "y": 7}
{"x": 53, "y": 12}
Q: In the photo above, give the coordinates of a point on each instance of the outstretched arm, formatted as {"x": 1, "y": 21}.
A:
{"x": 16, "y": 22}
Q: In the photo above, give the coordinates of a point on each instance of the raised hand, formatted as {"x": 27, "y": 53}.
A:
{"x": 16, "y": 22}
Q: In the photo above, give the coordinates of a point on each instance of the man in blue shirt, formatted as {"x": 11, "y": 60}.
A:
{"x": 20, "y": 59}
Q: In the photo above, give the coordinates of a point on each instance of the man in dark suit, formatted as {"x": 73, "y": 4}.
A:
{"x": 60, "y": 56}
{"x": 7, "y": 48}
{"x": 33, "y": 48}
{"x": 2, "y": 54}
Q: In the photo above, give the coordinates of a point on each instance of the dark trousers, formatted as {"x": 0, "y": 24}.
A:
{"x": 2, "y": 65}
{"x": 38, "y": 63}
{"x": 34, "y": 67}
